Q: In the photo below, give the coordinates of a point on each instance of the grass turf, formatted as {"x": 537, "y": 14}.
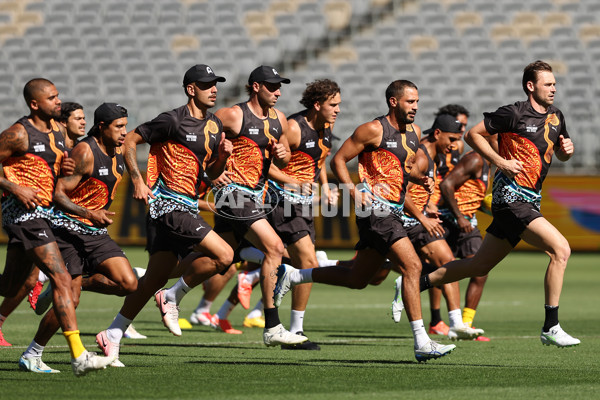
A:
{"x": 364, "y": 354}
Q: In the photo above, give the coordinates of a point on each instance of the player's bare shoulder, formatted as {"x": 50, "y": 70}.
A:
{"x": 14, "y": 140}
{"x": 231, "y": 118}
{"x": 369, "y": 133}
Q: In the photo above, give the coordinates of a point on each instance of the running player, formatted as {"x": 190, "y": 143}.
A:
{"x": 529, "y": 133}
{"x": 79, "y": 225}
{"x": 32, "y": 152}
{"x": 309, "y": 137}
{"x": 386, "y": 150}
{"x": 184, "y": 143}
{"x": 259, "y": 134}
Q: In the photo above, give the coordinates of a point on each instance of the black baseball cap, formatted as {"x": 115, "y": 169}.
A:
{"x": 445, "y": 123}
{"x": 201, "y": 73}
{"x": 107, "y": 113}
{"x": 268, "y": 74}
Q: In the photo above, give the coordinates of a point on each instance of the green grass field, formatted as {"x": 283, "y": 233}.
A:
{"x": 364, "y": 354}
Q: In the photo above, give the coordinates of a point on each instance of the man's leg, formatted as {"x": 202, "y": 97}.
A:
{"x": 9, "y": 304}
{"x": 114, "y": 277}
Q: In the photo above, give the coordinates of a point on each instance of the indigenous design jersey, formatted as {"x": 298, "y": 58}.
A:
{"x": 418, "y": 193}
{"x": 446, "y": 164}
{"x": 251, "y": 159}
{"x": 384, "y": 170}
{"x": 469, "y": 196}
{"x": 37, "y": 168}
{"x": 307, "y": 160}
{"x": 181, "y": 146}
{"x": 95, "y": 191}
{"x": 530, "y": 137}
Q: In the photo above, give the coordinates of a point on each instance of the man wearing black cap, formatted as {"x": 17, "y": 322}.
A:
{"x": 258, "y": 132}
{"x": 80, "y": 219}
{"x": 185, "y": 143}
{"x": 424, "y": 230}
{"x": 32, "y": 152}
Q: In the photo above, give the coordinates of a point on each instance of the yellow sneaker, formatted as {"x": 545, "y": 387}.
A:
{"x": 258, "y": 322}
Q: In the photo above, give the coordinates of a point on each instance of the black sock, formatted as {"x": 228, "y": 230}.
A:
{"x": 424, "y": 283}
{"x": 271, "y": 317}
{"x": 436, "y": 317}
{"x": 551, "y": 317}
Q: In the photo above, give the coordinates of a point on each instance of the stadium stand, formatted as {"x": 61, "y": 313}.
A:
{"x": 471, "y": 52}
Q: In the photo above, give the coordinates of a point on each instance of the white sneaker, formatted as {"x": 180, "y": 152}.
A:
{"x": 201, "y": 318}
{"x": 433, "y": 350}
{"x": 464, "y": 333}
{"x": 131, "y": 333}
{"x": 279, "y": 335}
{"x": 283, "y": 284}
{"x": 35, "y": 364}
{"x": 109, "y": 349}
{"x": 88, "y": 361}
{"x": 169, "y": 313}
{"x": 558, "y": 337}
{"x": 397, "y": 304}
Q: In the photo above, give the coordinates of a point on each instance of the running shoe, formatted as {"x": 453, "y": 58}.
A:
{"x": 283, "y": 284}
{"x": 34, "y": 294}
{"x": 88, "y": 361}
{"x": 257, "y": 322}
{"x": 308, "y": 345}
{"x": 279, "y": 335}
{"x": 558, "y": 337}
{"x": 202, "y": 318}
{"x": 109, "y": 348}
{"x": 464, "y": 333}
{"x": 397, "y": 304}
{"x": 35, "y": 364}
{"x": 244, "y": 290}
{"x": 44, "y": 301}
{"x": 4, "y": 343}
{"x": 169, "y": 312}
{"x": 439, "y": 329}
{"x": 433, "y": 350}
{"x": 132, "y": 333}
{"x": 223, "y": 325}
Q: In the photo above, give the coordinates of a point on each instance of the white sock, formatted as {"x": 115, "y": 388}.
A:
{"x": 118, "y": 327}
{"x": 203, "y": 306}
{"x": 296, "y": 321}
{"x": 419, "y": 333}
{"x": 328, "y": 263}
{"x": 34, "y": 350}
{"x": 252, "y": 276}
{"x": 175, "y": 293}
{"x": 257, "y": 311}
{"x": 299, "y": 276}
{"x": 42, "y": 277}
{"x": 455, "y": 317}
{"x": 225, "y": 310}
{"x": 2, "y": 319}
{"x": 252, "y": 254}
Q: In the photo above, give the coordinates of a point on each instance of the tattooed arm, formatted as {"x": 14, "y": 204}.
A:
{"x": 14, "y": 141}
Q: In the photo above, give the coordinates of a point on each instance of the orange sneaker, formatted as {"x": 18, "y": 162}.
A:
{"x": 34, "y": 294}
{"x": 481, "y": 338}
{"x": 223, "y": 325}
{"x": 3, "y": 341}
{"x": 244, "y": 290}
{"x": 439, "y": 329}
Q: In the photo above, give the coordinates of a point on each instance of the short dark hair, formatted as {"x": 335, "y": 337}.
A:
{"x": 33, "y": 87}
{"x": 530, "y": 72}
{"x": 249, "y": 89}
{"x": 396, "y": 89}
{"x": 319, "y": 91}
{"x": 67, "y": 108}
{"x": 453, "y": 109}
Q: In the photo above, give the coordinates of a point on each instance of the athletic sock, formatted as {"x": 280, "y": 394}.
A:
{"x": 117, "y": 329}
{"x": 74, "y": 341}
{"x": 42, "y": 277}
{"x": 34, "y": 350}
{"x": 252, "y": 276}
{"x": 424, "y": 283}
{"x": 455, "y": 318}
{"x": 299, "y": 276}
{"x": 328, "y": 263}
{"x": 175, "y": 293}
{"x": 436, "y": 316}
{"x": 271, "y": 318}
{"x": 225, "y": 309}
{"x": 203, "y": 306}
{"x": 551, "y": 317}
{"x": 257, "y": 311}
{"x": 468, "y": 316}
{"x": 297, "y": 321}
{"x": 419, "y": 333}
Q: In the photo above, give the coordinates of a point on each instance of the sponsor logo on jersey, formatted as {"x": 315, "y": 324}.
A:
{"x": 191, "y": 137}
{"x": 532, "y": 129}
{"x": 253, "y": 131}
{"x": 310, "y": 144}
{"x": 392, "y": 145}
{"x": 39, "y": 148}
{"x": 103, "y": 171}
